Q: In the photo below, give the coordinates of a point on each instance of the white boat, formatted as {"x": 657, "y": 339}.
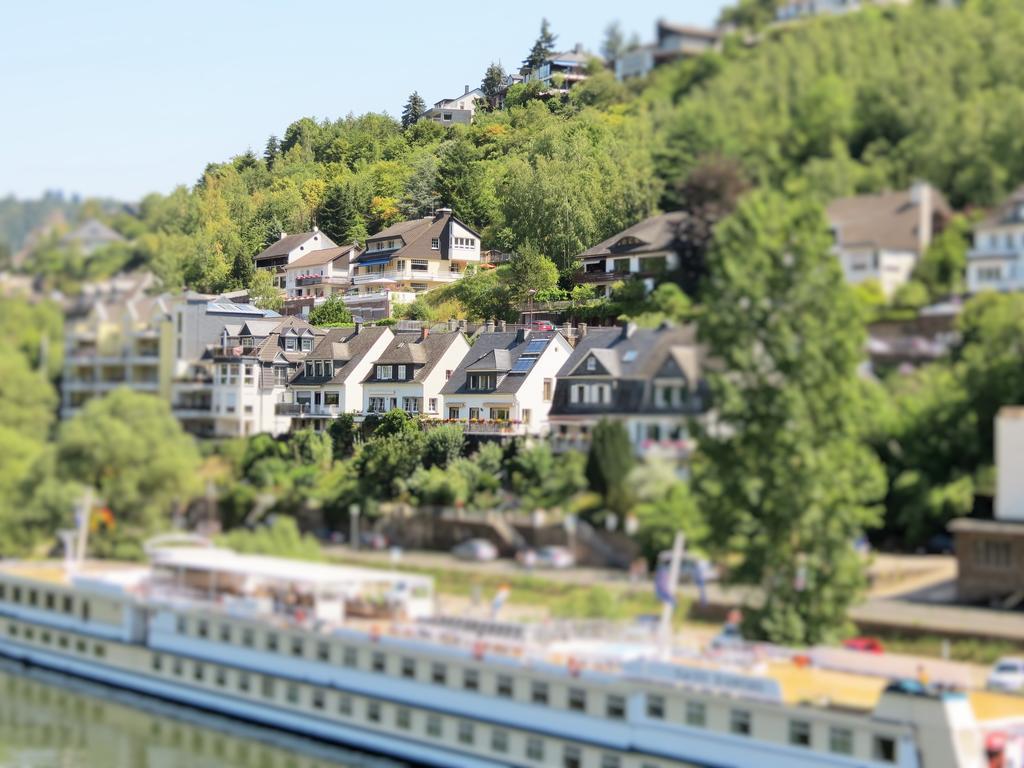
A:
{"x": 358, "y": 657}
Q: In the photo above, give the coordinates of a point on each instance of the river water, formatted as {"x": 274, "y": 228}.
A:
{"x": 53, "y": 721}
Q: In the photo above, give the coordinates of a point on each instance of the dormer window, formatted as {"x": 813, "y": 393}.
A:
{"x": 483, "y": 381}
{"x": 289, "y": 343}
{"x": 401, "y": 373}
{"x": 591, "y": 365}
{"x": 329, "y": 369}
{"x": 319, "y": 368}
{"x": 309, "y": 368}
{"x": 435, "y": 243}
{"x": 307, "y": 344}
{"x": 384, "y": 372}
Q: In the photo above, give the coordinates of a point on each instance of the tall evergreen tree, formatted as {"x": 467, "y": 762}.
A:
{"x": 614, "y": 42}
{"x": 609, "y": 463}
{"x": 782, "y": 477}
{"x": 338, "y": 211}
{"x": 542, "y": 48}
{"x": 242, "y": 270}
{"x": 420, "y": 196}
{"x": 413, "y": 109}
{"x": 494, "y": 79}
{"x": 460, "y": 179}
{"x": 271, "y": 152}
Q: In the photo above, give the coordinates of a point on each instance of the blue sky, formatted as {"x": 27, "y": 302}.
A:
{"x": 120, "y": 99}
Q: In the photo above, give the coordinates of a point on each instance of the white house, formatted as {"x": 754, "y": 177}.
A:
{"x": 505, "y": 383}
{"x": 996, "y": 262}
{"x": 460, "y": 110}
{"x": 288, "y": 249}
{"x": 882, "y": 237}
{"x": 330, "y": 381}
{"x": 321, "y": 273}
{"x": 647, "y": 250}
{"x": 412, "y": 370}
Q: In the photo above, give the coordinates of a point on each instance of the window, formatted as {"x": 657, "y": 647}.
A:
{"x": 411, "y": 405}
{"x": 373, "y": 711}
{"x": 615, "y": 707}
{"x": 840, "y": 740}
{"x": 439, "y": 674}
{"x": 466, "y": 734}
{"x": 350, "y": 658}
{"x": 323, "y": 652}
{"x": 307, "y": 344}
{"x": 319, "y": 366}
{"x": 527, "y": 416}
{"x": 198, "y": 671}
{"x": 499, "y": 741}
{"x": 267, "y": 687}
{"x": 243, "y": 682}
{"x": 50, "y": 601}
{"x": 572, "y": 757}
{"x": 67, "y": 605}
{"x": 610, "y": 761}
{"x": 419, "y": 265}
{"x": 434, "y": 725}
{"x": 656, "y": 706}
{"x": 483, "y": 381}
{"x": 403, "y": 718}
{"x": 471, "y": 680}
{"x": 591, "y": 364}
{"x": 344, "y": 705}
{"x": 318, "y": 699}
{"x": 379, "y": 662}
{"x": 292, "y": 693}
{"x": 474, "y": 414}
{"x": 225, "y": 633}
{"x": 248, "y": 638}
{"x": 332, "y": 398}
{"x": 539, "y": 692}
{"x": 435, "y": 243}
{"x": 884, "y": 749}
{"x": 280, "y": 375}
{"x": 221, "y": 677}
{"x": 401, "y": 373}
{"x": 454, "y": 411}
{"x": 620, "y": 265}
{"x": 408, "y": 668}
{"x": 739, "y": 722}
{"x": 271, "y": 642}
{"x": 800, "y": 733}
{"x": 384, "y": 372}
{"x": 577, "y": 700}
{"x": 157, "y": 662}
{"x": 178, "y": 669}
{"x": 499, "y": 414}
{"x": 506, "y": 686}
{"x": 548, "y": 389}
{"x": 535, "y": 749}
{"x": 377, "y": 405}
{"x": 297, "y": 646}
{"x": 696, "y": 713}
{"x": 431, "y": 405}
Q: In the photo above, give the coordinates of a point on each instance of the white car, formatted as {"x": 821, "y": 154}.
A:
{"x": 477, "y": 550}
{"x": 547, "y": 557}
{"x": 1007, "y": 675}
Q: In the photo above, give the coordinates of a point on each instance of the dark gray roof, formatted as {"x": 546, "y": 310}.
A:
{"x": 411, "y": 349}
{"x": 658, "y": 233}
{"x": 416, "y": 236}
{"x": 1010, "y": 211}
{"x": 346, "y": 347}
{"x": 633, "y": 358}
{"x": 496, "y": 351}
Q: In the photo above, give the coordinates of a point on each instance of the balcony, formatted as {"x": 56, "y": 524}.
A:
{"x": 396, "y": 297}
{"x": 304, "y": 280}
{"x": 491, "y": 427}
{"x": 665, "y": 449}
{"x": 307, "y": 410}
{"x": 412, "y": 275}
{"x": 602, "y": 277}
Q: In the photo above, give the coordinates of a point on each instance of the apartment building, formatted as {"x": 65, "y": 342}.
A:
{"x": 330, "y": 380}
{"x": 505, "y": 383}
{"x": 649, "y": 379}
{"x": 411, "y": 372}
{"x": 882, "y": 237}
{"x": 647, "y": 251}
{"x": 561, "y": 71}
{"x": 996, "y": 262}
{"x": 288, "y": 249}
{"x": 408, "y": 258}
{"x": 322, "y": 273}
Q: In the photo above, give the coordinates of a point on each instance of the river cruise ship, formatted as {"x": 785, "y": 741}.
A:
{"x": 360, "y": 657}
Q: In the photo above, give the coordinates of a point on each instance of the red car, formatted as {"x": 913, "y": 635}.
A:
{"x": 542, "y": 325}
{"x": 865, "y": 644}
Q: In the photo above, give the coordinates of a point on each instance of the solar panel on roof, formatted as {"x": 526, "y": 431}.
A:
{"x": 523, "y": 364}
{"x": 629, "y": 356}
{"x": 535, "y": 347}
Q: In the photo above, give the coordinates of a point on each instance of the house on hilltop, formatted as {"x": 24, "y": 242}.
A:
{"x": 90, "y": 236}
{"x": 321, "y": 274}
{"x": 561, "y": 71}
{"x": 459, "y": 110}
{"x": 647, "y": 250}
{"x": 288, "y": 249}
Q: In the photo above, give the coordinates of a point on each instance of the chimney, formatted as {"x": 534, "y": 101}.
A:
{"x": 921, "y": 196}
{"x": 628, "y": 328}
{"x": 283, "y": 234}
{"x": 582, "y": 330}
{"x": 424, "y": 332}
{"x": 465, "y": 91}
{"x": 489, "y": 326}
{"x": 440, "y": 212}
{"x": 501, "y": 326}
{"x": 359, "y": 325}
{"x": 463, "y": 326}
{"x": 522, "y": 335}
{"x": 578, "y": 48}
{"x": 453, "y": 324}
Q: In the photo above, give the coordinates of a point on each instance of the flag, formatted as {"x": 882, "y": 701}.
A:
{"x": 500, "y": 598}
{"x": 662, "y": 588}
{"x": 698, "y": 577}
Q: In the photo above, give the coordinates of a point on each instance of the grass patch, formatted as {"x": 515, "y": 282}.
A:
{"x": 970, "y": 650}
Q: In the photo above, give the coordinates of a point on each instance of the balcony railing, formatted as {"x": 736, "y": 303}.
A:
{"x": 308, "y": 410}
{"x": 412, "y": 275}
{"x": 302, "y": 280}
{"x": 493, "y": 427}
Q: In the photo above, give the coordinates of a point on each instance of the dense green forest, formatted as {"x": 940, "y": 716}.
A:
{"x": 752, "y": 141}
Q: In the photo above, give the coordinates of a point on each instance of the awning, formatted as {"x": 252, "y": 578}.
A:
{"x": 373, "y": 261}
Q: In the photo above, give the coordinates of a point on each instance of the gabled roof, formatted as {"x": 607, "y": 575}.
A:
{"x": 324, "y": 255}
{"x": 499, "y": 351}
{"x": 289, "y": 243}
{"x": 493, "y": 360}
{"x": 410, "y": 348}
{"x": 688, "y": 30}
{"x": 259, "y": 328}
{"x": 1010, "y": 211}
{"x": 346, "y": 347}
{"x": 889, "y": 220}
{"x": 416, "y": 236}
{"x": 654, "y": 234}
{"x": 93, "y": 231}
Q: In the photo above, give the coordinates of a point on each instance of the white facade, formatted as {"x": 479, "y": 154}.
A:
{"x": 321, "y": 280}
{"x": 1009, "y": 451}
{"x": 997, "y": 260}
{"x": 331, "y": 399}
{"x": 891, "y": 269}
{"x": 414, "y": 397}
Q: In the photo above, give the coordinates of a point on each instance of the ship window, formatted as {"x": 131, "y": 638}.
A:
{"x": 373, "y": 711}
{"x": 408, "y": 667}
{"x": 62, "y": 641}
{"x": 243, "y": 682}
{"x": 535, "y": 749}
{"x": 248, "y": 640}
{"x": 16, "y": 594}
{"x": 30, "y": 633}
{"x": 577, "y": 699}
{"x": 157, "y": 662}
{"x": 499, "y": 741}
{"x": 323, "y": 652}
{"x": 616, "y": 707}
{"x": 739, "y": 722}
{"x": 297, "y": 648}
{"x": 99, "y": 651}
{"x": 884, "y": 749}
{"x": 12, "y": 630}
{"x": 3, "y": 592}
{"x": 267, "y": 687}
{"x": 292, "y": 693}
{"x": 182, "y": 625}
{"x": 345, "y": 705}
{"x": 465, "y": 732}
{"x": 439, "y": 674}
{"x": 379, "y": 662}
{"x": 51, "y": 601}
{"x": 572, "y": 757}
{"x": 350, "y": 658}
{"x": 225, "y": 633}
{"x": 318, "y": 699}
{"x": 840, "y": 741}
{"x": 506, "y": 686}
{"x": 434, "y": 725}
{"x": 403, "y": 718}
{"x": 800, "y": 733}
{"x": 80, "y": 646}
{"x": 221, "y": 677}
{"x": 85, "y": 610}
{"x": 202, "y": 628}
{"x": 198, "y": 671}
{"x": 68, "y": 604}
{"x": 271, "y": 642}
{"x": 45, "y": 636}
{"x": 539, "y": 693}
{"x": 179, "y": 667}
{"x": 656, "y": 706}
{"x": 471, "y": 680}
{"x": 33, "y": 597}
{"x": 610, "y": 761}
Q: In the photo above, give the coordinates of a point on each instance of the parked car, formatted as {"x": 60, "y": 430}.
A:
{"x": 865, "y": 644}
{"x": 692, "y": 568}
{"x": 546, "y": 557}
{"x": 476, "y": 550}
{"x": 940, "y": 544}
{"x": 1007, "y": 675}
{"x": 371, "y": 540}
{"x": 542, "y": 325}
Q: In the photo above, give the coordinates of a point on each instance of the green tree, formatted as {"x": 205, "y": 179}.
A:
{"x": 413, "y": 109}
{"x": 443, "y": 445}
{"x": 131, "y": 449}
{"x": 311, "y": 447}
{"x": 614, "y": 44}
{"x": 343, "y": 434}
{"x": 542, "y": 48}
{"x": 944, "y": 264}
{"x": 339, "y": 212}
{"x": 783, "y": 479}
{"x": 281, "y": 538}
{"x": 609, "y": 463}
{"x": 492, "y": 84}
{"x": 420, "y": 197}
{"x": 28, "y": 401}
{"x": 460, "y": 181}
{"x": 243, "y": 270}
{"x": 659, "y": 519}
{"x": 332, "y": 312}
{"x": 528, "y": 270}
{"x": 270, "y": 152}
{"x": 263, "y": 293}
